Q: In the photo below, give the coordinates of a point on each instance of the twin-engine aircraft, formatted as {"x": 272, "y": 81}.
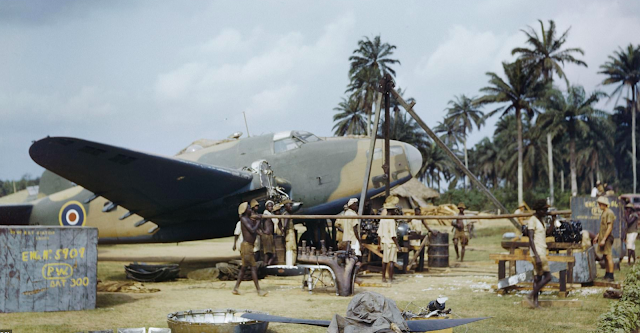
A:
{"x": 135, "y": 197}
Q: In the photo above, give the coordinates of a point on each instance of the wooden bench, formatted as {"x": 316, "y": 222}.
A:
{"x": 502, "y": 259}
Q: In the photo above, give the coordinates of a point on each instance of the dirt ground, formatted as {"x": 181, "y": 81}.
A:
{"x": 467, "y": 285}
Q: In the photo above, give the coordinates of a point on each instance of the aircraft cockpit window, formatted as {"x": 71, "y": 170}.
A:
{"x": 306, "y": 136}
{"x": 283, "y": 145}
{"x": 377, "y": 153}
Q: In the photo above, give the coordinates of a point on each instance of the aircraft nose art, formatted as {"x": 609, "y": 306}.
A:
{"x": 414, "y": 157}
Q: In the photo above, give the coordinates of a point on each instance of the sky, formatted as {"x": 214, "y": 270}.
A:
{"x": 155, "y": 76}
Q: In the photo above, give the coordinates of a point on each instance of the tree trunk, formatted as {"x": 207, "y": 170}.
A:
{"x": 367, "y": 107}
{"x": 520, "y": 176}
{"x": 572, "y": 166}
{"x": 550, "y": 156}
{"x": 633, "y": 137}
{"x": 466, "y": 163}
{"x": 562, "y": 180}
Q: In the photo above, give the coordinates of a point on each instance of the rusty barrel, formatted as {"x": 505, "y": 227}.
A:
{"x": 438, "y": 251}
{"x": 280, "y": 249}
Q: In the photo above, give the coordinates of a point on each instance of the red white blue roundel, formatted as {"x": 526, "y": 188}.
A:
{"x": 72, "y": 214}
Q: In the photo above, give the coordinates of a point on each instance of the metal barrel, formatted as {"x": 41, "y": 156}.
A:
{"x": 438, "y": 251}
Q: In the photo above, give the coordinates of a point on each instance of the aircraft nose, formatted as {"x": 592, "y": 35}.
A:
{"x": 414, "y": 157}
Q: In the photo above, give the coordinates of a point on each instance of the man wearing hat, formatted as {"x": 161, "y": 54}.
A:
{"x": 631, "y": 218}
{"x": 604, "y": 239}
{"x": 254, "y": 205}
{"x": 249, "y": 234}
{"x": 266, "y": 238}
{"x": 351, "y": 226}
{"x": 290, "y": 234}
{"x": 387, "y": 241}
{"x": 459, "y": 236}
{"x": 537, "y": 234}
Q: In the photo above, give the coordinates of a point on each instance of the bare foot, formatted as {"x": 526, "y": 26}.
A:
{"x": 384, "y": 280}
{"x": 262, "y": 293}
{"x": 530, "y": 301}
{"x": 235, "y": 292}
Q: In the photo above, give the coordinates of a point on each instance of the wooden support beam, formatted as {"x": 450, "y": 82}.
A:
{"x": 555, "y": 304}
{"x": 508, "y": 257}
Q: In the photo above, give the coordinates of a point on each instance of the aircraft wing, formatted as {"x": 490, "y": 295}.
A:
{"x": 414, "y": 325}
{"x": 151, "y": 186}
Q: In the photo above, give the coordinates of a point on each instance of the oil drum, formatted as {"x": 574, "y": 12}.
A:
{"x": 438, "y": 251}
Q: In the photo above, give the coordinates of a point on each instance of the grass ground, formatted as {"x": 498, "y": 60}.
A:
{"x": 467, "y": 285}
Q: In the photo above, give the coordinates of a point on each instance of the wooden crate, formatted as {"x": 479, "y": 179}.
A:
{"x": 47, "y": 268}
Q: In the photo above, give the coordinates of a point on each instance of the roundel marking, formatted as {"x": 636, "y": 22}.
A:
{"x": 72, "y": 214}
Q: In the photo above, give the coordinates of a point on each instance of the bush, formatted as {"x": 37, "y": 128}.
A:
{"x": 624, "y": 314}
{"x": 475, "y": 199}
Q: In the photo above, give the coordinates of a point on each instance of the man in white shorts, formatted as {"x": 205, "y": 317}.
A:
{"x": 631, "y": 217}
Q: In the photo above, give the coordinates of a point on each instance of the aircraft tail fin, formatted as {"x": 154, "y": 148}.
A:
{"x": 51, "y": 183}
{"x": 15, "y": 214}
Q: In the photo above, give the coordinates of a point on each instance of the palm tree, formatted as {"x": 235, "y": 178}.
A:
{"x": 369, "y": 62}
{"x": 464, "y": 112}
{"x": 623, "y": 68}
{"x": 571, "y": 115}
{"x": 450, "y": 132}
{"x": 545, "y": 55}
{"x": 350, "y": 119}
{"x": 595, "y": 150}
{"x": 488, "y": 161}
{"x": 622, "y": 118}
{"x": 521, "y": 90}
{"x": 435, "y": 163}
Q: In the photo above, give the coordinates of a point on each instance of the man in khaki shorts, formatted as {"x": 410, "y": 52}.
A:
{"x": 604, "y": 239}
{"x": 387, "y": 241}
{"x": 631, "y": 217}
{"x": 537, "y": 234}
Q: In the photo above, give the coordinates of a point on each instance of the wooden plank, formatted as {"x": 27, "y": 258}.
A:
{"x": 554, "y": 303}
{"x": 374, "y": 249}
{"x": 615, "y": 285}
{"x": 375, "y": 284}
{"x": 507, "y": 257}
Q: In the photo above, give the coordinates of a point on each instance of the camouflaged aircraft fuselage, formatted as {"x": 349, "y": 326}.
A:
{"x": 321, "y": 173}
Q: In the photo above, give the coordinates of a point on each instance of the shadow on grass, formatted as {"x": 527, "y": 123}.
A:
{"x": 106, "y": 300}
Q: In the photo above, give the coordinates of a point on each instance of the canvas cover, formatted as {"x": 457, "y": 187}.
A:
{"x": 368, "y": 312}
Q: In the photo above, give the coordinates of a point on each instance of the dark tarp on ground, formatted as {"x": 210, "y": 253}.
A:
{"x": 368, "y": 312}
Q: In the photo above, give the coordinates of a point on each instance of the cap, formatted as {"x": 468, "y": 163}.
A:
{"x": 254, "y": 203}
{"x": 461, "y": 205}
{"x": 603, "y": 200}
{"x": 269, "y": 202}
{"x": 598, "y": 182}
{"x": 352, "y": 201}
{"x": 522, "y": 204}
{"x": 242, "y": 208}
{"x": 540, "y": 204}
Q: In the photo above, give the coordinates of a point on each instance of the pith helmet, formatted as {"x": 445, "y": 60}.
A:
{"x": 254, "y": 203}
{"x": 522, "y": 204}
{"x": 540, "y": 204}
{"x": 242, "y": 208}
{"x": 461, "y": 205}
{"x": 389, "y": 205}
{"x": 630, "y": 205}
{"x": 288, "y": 201}
{"x": 604, "y": 201}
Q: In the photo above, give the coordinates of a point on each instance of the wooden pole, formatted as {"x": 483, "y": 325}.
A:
{"x": 420, "y": 217}
{"x": 550, "y": 156}
{"x": 372, "y": 147}
{"x": 452, "y": 156}
{"x": 245, "y": 124}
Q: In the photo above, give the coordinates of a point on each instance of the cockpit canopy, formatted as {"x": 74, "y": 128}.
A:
{"x": 284, "y": 141}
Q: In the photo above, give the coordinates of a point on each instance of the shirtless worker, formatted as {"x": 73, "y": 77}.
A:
{"x": 388, "y": 241}
{"x": 459, "y": 236}
{"x": 537, "y": 234}
{"x": 250, "y": 229}
{"x": 254, "y": 205}
{"x": 290, "y": 234}
{"x": 268, "y": 245}
{"x": 604, "y": 239}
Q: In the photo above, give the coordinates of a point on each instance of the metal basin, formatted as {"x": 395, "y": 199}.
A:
{"x": 214, "y": 321}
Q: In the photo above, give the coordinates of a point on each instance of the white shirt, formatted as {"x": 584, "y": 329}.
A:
{"x": 594, "y": 192}
{"x": 539, "y": 235}
{"x": 348, "y": 234}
